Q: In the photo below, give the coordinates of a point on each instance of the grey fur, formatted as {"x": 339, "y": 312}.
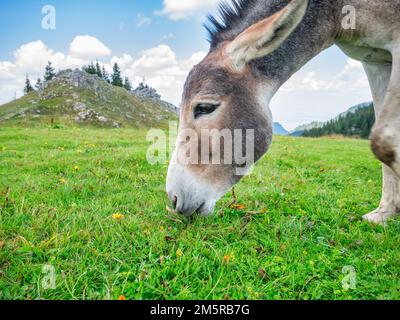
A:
{"x": 320, "y": 29}
{"x": 244, "y": 94}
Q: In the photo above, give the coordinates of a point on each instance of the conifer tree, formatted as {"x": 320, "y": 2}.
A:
{"x": 358, "y": 123}
{"x": 98, "y": 70}
{"x": 104, "y": 75}
{"x": 127, "y": 84}
{"x": 28, "y": 87}
{"x": 38, "y": 84}
{"x": 50, "y": 72}
{"x": 116, "y": 78}
{"x": 91, "y": 68}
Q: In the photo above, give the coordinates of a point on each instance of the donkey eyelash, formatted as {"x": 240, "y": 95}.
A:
{"x": 204, "y": 109}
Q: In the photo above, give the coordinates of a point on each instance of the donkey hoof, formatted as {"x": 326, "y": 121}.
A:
{"x": 379, "y": 216}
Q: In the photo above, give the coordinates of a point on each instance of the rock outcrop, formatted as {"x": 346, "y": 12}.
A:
{"x": 144, "y": 92}
{"x": 75, "y": 96}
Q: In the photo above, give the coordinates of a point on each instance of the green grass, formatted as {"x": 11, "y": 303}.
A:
{"x": 301, "y": 226}
{"x": 56, "y": 105}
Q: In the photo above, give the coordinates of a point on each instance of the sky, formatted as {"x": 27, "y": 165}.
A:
{"x": 160, "y": 41}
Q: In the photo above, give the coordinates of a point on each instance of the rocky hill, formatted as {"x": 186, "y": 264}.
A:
{"x": 146, "y": 93}
{"x": 74, "y": 97}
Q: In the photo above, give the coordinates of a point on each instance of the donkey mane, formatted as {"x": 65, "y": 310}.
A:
{"x": 229, "y": 14}
{"x": 319, "y": 24}
{"x": 234, "y": 16}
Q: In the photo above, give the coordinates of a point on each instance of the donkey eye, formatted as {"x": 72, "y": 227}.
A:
{"x": 204, "y": 108}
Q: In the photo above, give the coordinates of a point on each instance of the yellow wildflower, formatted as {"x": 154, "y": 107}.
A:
{"x": 229, "y": 258}
{"x": 118, "y": 216}
{"x": 179, "y": 253}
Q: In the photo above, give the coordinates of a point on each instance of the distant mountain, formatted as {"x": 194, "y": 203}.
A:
{"x": 75, "y": 97}
{"x": 300, "y": 129}
{"x": 280, "y": 130}
{"x": 354, "y": 109}
{"x": 356, "y": 122}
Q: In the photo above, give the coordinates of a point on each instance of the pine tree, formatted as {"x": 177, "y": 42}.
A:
{"x": 50, "y": 72}
{"x": 98, "y": 69}
{"x": 116, "y": 78}
{"x": 28, "y": 87}
{"x": 91, "y": 68}
{"x": 127, "y": 84}
{"x": 38, "y": 84}
{"x": 104, "y": 75}
{"x": 353, "y": 124}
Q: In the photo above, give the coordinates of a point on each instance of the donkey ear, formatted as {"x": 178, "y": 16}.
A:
{"x": 267, "y": 35}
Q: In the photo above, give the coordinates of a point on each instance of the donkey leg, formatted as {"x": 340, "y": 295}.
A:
{"x": 385, "y": 137}
{"x": 379, "y": 78}
{"x": 390, "y": 203}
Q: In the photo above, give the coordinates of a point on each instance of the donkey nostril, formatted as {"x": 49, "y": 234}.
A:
{"x": 174, "y": 202}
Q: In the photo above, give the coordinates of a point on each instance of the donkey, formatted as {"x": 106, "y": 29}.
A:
{"x": 254, "y": 49}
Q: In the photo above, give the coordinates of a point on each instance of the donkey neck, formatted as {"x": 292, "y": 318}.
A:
{"x": 316, "y": 32}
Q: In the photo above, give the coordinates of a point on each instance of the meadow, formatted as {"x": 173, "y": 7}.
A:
{"x": 85, "y": 206}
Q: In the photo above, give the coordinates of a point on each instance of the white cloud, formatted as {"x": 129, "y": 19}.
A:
{"x": 182, "y": 9}
{"x": 319, "y": 96}
{"x": 31, "y": 58}
{"x": 167, "y": 37}
{"x": 159, "y": 57}
{"x": 7, "y": 70}
{"x": 163, "y": 70}
{"x": 350, "y": 78}
{"x": 84, "y": 47}
{"x": 352, "y": 73}
{"x": 143, "y": 20}
{"x": 124, "y": 62}
{"x": 34, "y": 55}
{"x": 159, "y": 66}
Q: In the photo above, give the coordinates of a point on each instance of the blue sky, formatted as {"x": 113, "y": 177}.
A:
{"x": 113, "y": 22}
{"x": 159, "y": 40}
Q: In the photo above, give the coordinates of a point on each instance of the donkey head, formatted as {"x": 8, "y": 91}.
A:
{"x": 225, "y": 113}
